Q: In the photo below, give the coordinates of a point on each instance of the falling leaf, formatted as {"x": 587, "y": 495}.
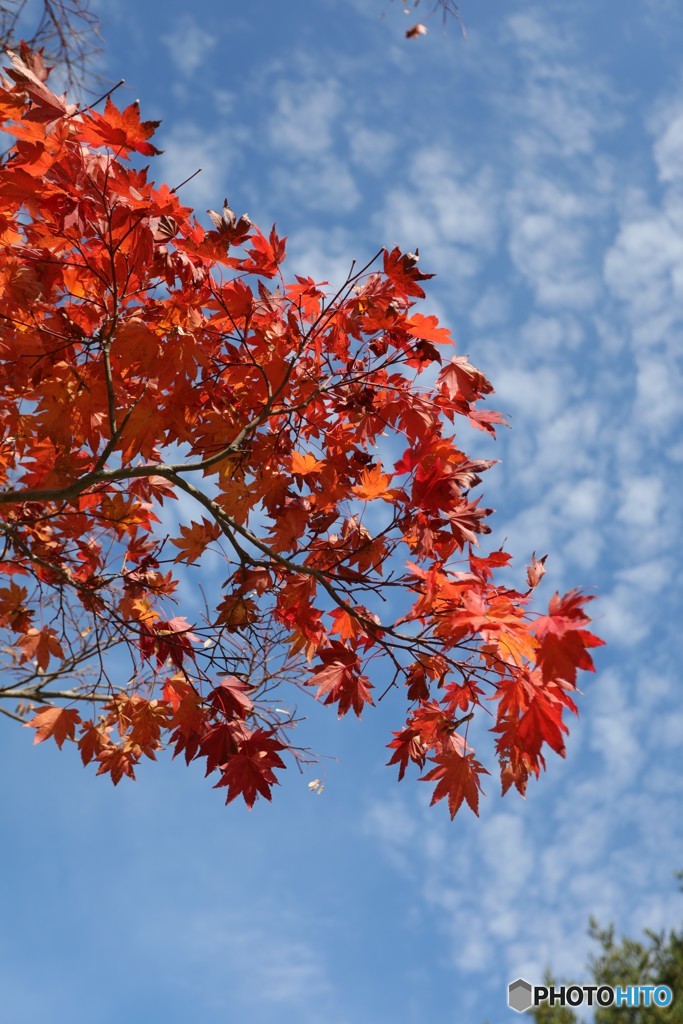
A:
{"x": 416, "y": 31}
{"x": 535, "y": 570}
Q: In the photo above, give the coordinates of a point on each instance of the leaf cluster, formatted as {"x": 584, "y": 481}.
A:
{"x": 170, "y": 401}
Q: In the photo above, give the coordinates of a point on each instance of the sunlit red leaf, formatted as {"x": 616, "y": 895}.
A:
{"x": 457, "y": 778}
{"x": 121, "y": 130}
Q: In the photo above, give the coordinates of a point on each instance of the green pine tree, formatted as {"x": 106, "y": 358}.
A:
{"x": 657, "y": 959}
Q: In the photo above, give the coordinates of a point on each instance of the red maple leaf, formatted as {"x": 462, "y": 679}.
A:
{"x": 219, "y": 744}
{"x": 457, "y": 777}
{"x": 266, "y": 254}
{"x": 563, "y": 644}
{"x": 251, "y": 771}
{"x": 428, "y": 328}
{"x": 459, "y": 379}
{"x": 94, "y": 739}
{"x": 338, "y": 678}
{"x": 416, "y": 681}
{"x": 230, "y": 698}
{"x": 402, "y": 271}
{"x": 407, "y": 746}
{"x": 121, "y": 130}
{"x": 167, "y": 639}
{"x": 484, "y": 419}
{"x": 542, "y": 723}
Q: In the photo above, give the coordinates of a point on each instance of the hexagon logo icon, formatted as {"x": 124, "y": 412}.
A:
{"x": 519, "y": 995}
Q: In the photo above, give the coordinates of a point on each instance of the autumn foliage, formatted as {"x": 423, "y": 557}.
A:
{"x": 220, "y": 488}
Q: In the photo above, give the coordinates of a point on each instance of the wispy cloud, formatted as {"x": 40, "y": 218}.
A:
{"x": 187, "y": 148}
{"x": 271, "y": 968}
{"x": 541, "y": 866}
{"x": 589, "y": 368}
{"x": 189, "y": 44}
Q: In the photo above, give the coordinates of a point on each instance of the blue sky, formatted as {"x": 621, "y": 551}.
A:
{"x": 539, "y": 168}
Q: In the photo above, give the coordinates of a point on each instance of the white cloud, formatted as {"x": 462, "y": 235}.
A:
{"x": 540, "y": 392}
{"x": 390, "y": 823}
{"x": 291, "y": 972}
{"x": 623, "y": 617}
{"x": 583, "y": 500}
{"x": 492, "y": 309}
{"x": 615, "y": 736}
{"x": 324, "y": 255}
{"x": 445, "y": 202}
{"x": 224, "y": 101}
{"x": 448, "y": 209}
{"x": 641, "y": 268}
{"x": 186, "y": 149}
{"x": 668, "y": 146}
{"x": 551, "y": 242}
{"x": 641, "y": 501}
{"x": 305, "y": 117}
{"x": 529, "y": 30}
{"x": 560, "y": 112}
{"x": 551, "y": 336}
{"x": 189, "y": 45}
{"x": 273, "y": 968}
{"x": 585, "y": 548}
{"x": 371, "y": 150}
{"x": 648, "y": 577}
{"x": 321, "y": 184}
{"x": 659, "y": 384}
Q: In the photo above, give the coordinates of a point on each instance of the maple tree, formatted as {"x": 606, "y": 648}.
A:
{"x": 219, "y": 488}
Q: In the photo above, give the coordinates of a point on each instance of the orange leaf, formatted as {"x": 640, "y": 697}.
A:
{"x": 41, "y": 645}
{"x": 346, "y": 626}
{"x": 13, "y": 611}
{"x": 303, "y": 465}
{"x": 236, "y": 612}
{"x": 94, "y": 739}
{"x": 195, "y": 539}
{"x": 117, "y": 763}
{"x": 374, "y": 485}
{"x": 427, "y": 327}
{"x": 58, "y": 723}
